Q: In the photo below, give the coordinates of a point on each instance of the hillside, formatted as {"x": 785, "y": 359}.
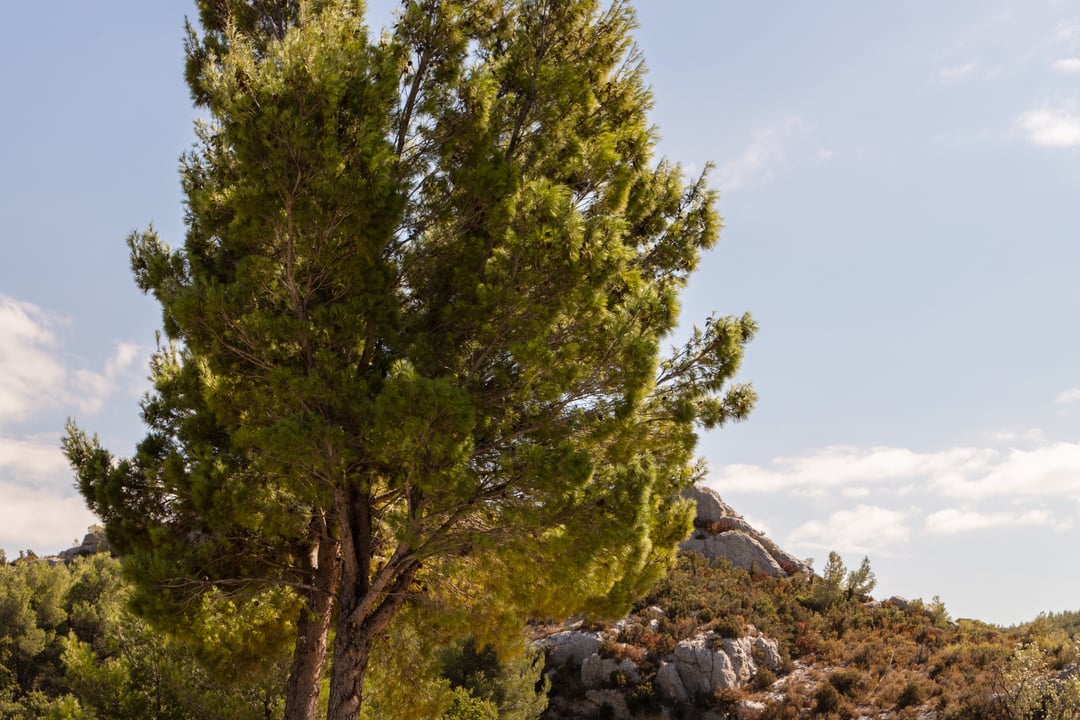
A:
{"x": 714, "y": 640}
{"x": 711, "y": 640}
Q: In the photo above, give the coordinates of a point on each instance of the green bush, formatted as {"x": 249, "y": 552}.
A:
{"x": 847, "y": 682}
{"x": 911, "y": 695}
{"x": 827, "y": 699}
{"x": 763, "y": 679}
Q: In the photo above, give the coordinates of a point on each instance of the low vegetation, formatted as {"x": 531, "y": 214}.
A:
{"x": 71, "y": 649}
{"x": 846, "y": 656}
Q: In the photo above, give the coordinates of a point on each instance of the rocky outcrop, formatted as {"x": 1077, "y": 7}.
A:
{"x": 92, "y": 543}
{"x": 738, "y": 548}
{"x": 648, "y": 656}
{"x": 598, "y": 672}
{"x": 720, "y": 532}
{"x": 570, "y": 647}
{"x": 706, "y": 663}
{"x": 697, "y": 667}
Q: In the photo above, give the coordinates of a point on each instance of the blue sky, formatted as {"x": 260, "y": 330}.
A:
{"x": 901, "y": 194}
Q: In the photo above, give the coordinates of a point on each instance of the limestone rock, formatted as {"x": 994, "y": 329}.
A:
{"x": 720, "y": 532}
{"x": 596, "y": 700}
{"x": 702, "y": 667}
{"x": 707, "y": 663}
{"x": 597, "y": 671}
{"x": 571, "y": 646}
{"x": 669, "y": 684}
{"x": 710, "y": 507}
{"x": 738, "y": 548}
{"x": 900, "y": 602}
{"x": 93, "y": 543}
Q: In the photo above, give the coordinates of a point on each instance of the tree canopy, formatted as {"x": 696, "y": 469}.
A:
{"x": 413, "y": 336}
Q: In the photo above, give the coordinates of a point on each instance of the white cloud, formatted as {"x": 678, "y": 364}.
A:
{"x": 1037, "y": 473}
{"x": 30, "y": 460}
{"x": 1072, "y": 395}
{"x": 760, "y": 160}
{"x": 840, "y": 466}
{"x": 865, "y": 529}
{"x": 1052, "y": 127}
{"x": 952, "y": 521}
{"x": 1046, "y": 470}
{"x": 1068, "y": 66}
{"x": 40, "y": 384}
{"x": 955, "y": 73}
{"x": 34, "y": 374}
{"x": 42, "y": 519}
{"x": 91, "y": 389}
{"x": 1051, "y": 470}
{"x": 30, "y": 374}
{"x": 1034, "y": 435}
{"x": 1068, "y": 29}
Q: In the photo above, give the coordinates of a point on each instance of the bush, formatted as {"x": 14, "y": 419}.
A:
{"x": 729, "y": 627}
{"x": 847, "y": 682}
{"x": 727, "y": 700}
{"x": 911, "y": 695}
{"x": 827, "y": 699}
{"x": 763, "y": 679}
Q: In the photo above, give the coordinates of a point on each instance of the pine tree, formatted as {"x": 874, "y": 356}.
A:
{"x": 414, "y": 332}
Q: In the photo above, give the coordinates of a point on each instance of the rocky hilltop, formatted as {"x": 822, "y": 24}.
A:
{"x": 606, "y": 671}
{"x": 720, "y": 532}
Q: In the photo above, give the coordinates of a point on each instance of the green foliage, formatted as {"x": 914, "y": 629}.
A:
{"x": 912, "y": 695}
{"x": 1029, "y": 690}
{"x": 70, "y": 649}
{"x": 837, "y": 585}
{"x": 861, "y": 582}
{"x": 827, "y": 699}
{"x": 412, "y": 675}
{"x": 873, "y": 652}
{"x": 414, "y": 332}
{"x": 513, "y": 684}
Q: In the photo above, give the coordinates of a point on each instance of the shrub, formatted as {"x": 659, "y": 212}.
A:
{"x": 848, "y": 683}
{"x": 827, "y": 699}
{"x": 763, "y": 679}
{"x": 729, "y": 627}
{"x": 911, "y": 695}
{"x": 727, "y": 700}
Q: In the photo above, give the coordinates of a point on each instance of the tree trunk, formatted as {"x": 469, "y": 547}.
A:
{"x": 309, "y": 659}
{"x": 366, "y": 602}
{"x": 347, "y": 678}
{"x": 312, "y": 635}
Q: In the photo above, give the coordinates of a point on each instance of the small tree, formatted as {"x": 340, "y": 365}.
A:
{"x": 860, "y": 582}
{"x": 414, "y": 330}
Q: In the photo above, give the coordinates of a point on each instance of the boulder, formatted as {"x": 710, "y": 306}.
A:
{"x": 738, "y": 548}
{"x": 703, "y": 668}
{"x": 597, "y": 700}
{"x": 93, "y": 543}
{"x": 723, "y": 533}
{"x": 706, "y": 663}
{"x": 570, "y": 646}
{"x": 668, "y": 683}
{"x": 900, "y": 602}
{"x": 710, "y": 508}
{"x": 597, "y": 671}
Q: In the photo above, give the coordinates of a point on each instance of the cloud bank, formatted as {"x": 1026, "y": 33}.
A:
{"x": 41, "y": 384}
{"x": 878, "y": 498}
